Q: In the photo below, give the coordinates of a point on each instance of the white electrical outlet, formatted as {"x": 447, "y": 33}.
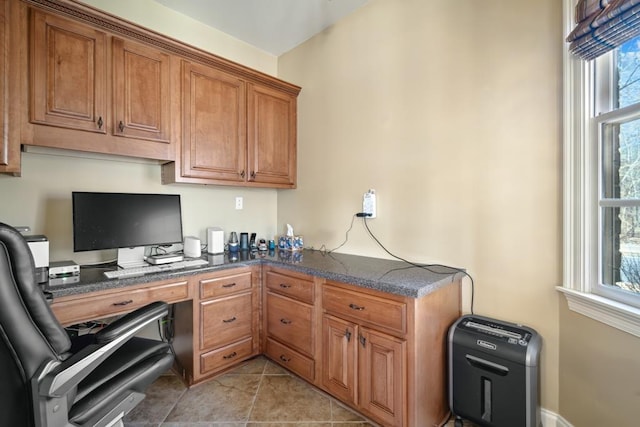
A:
{"x": 369, "y": 203}
{"x": 238, "y": 202}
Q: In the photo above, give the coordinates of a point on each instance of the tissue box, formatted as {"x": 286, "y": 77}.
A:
{"x": 289, "y": 243}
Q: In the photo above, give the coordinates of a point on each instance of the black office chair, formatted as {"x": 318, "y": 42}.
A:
{"x": 48, "y": 382}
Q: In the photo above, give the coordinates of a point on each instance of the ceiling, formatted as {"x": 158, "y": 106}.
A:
{"x": 275, "y": 26}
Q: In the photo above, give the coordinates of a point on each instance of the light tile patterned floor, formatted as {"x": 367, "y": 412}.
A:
{"x": 256, "y": 394}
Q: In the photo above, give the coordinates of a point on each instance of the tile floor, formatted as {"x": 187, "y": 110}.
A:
{"x": 258, "y": 393}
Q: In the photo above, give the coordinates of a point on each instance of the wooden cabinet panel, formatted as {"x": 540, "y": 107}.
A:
{"x": 9, "y": 94}
{"x": 68, "y": 66}
{"x": 214, "y": 124}
{"x": 220, "y": 358}
{"x": 271, "y": 136}
{"x": 225, "y": 285}
{"x": 292, "y": 360}
{"x": 366, "y": 309}
{"x": 290, "y": 322}
{"x": 141, "y": 91}
{"x": 225, "y": 320}
{"x": 291, "y": 286}
{"x": 382, "y": 376}
{"x": 339, "y": 358}
{"x": 104, "y": 304}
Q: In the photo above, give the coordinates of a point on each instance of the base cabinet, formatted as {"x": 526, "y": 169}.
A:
{"x": 226, "y": 319}
{"x": 365, "y": 368}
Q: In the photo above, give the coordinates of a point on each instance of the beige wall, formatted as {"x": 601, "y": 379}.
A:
{"x": 599, "y": 372}
{"x": 41, "y": 198}
{"x": 451, "y": 112}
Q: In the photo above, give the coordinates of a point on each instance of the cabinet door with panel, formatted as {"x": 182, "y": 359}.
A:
{"x": 364, "y": 352}
{"x": 9, "y": 49}
{"x": 141, "y": 91}
{"x": 69, "y": 72}
{"x": 214, "y": 124}
{"x": 271, "y": 136}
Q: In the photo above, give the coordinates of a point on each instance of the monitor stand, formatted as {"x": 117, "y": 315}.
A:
{"x": 131, "y": 257}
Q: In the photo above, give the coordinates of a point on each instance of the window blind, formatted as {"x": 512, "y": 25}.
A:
{"x": 603, "y": 25}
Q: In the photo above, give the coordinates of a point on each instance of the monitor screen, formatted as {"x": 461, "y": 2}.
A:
{"x": 125, "y": 220}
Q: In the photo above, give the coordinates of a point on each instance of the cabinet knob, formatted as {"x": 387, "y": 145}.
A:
{"x": 284, "y": 286}
{"x": 233, "y": 319}
{"x": 347, "y": 334}
{"x": 121, "y": 126}
{"x": 356, "y": 307}
{"x": 242, "y": 174}
{"x": 230, "y": 356}
{"x": 285, "y": 321}
{"x": 100, "y": 122}
{"x": 285, "y": 359}
{"x": 362, "y": 340}
{"x": 253, "y": 174}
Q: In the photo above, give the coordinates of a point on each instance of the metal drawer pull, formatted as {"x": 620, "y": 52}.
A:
{"x": 123, "y": 302}
{"x": 363, "y": 340}
{"x": 100, "y": 122}
{"x": 356, "y": 307}
{"x": 229, "y": 285}
{"x": 285, "y": 321}
{"x": 285, "y": 359}
{"x": 284, "y": 286}
{"x": 121, "y": 126}
{"x": 230, "y": 356}
{"x": 347, "y": 334}
{"x": 233, "y": 319}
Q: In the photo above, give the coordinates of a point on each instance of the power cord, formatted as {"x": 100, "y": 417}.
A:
{"x": 427, "y": 267}
{"x": 322, "y": 248}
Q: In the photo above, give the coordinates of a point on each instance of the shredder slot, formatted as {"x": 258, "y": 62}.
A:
{"x": 487, "y": 365}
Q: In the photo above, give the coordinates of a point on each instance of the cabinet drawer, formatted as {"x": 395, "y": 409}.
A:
{"x": 225, "y": 320}
{"x": 225, "y": 356}
{"x": 110, "y": 304}
{"x": 291, "y": 359}
{"x": 290, "y": 322}
{"x": 225, "y": 285}
{"x": 366, "y": 309}
{"x": 290, "y": 286}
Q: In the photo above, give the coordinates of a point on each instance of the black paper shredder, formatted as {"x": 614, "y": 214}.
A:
{"x": 494, "y": 372}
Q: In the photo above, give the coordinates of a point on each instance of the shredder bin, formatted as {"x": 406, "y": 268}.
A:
{"x": 494, "y": 372}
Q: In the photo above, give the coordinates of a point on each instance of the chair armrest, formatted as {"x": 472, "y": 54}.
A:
{"x": 136, "y": 319}
{"x": 63, "y": 377}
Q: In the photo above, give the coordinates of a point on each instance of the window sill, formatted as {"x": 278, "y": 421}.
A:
{"x": 612, "y": 313}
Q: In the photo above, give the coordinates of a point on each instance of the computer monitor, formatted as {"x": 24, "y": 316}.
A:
{"x": 128, "y": 222}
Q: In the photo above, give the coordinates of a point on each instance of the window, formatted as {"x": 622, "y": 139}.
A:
{"x": 602, "y": 186}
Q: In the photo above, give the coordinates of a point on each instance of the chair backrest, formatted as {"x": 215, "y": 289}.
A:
{"x": 30, "y": 335}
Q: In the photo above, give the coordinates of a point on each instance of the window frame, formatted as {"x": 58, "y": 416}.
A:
{"x": 580, "y": 199}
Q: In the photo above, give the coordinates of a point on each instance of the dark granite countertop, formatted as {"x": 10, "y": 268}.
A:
{"x": 395, "y": 277}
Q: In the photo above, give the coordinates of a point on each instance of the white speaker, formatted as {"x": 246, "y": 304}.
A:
{"x": 191, "y": 247}
{"x": 215, "y": 240}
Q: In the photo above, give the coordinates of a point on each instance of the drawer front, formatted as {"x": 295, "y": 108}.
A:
{"x": 226, "y": 356}
{"x": 220, "y": 286}
{"x": 291, "y": 359}
{"x": 290, "y": 322}
{"x": 105, "y": 305}
{"x": 290, "y": 286}
{"x": 366, "y": 309}
{"x": 225, "y": 320}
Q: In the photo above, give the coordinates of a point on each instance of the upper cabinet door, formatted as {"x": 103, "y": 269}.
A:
{"x": 141, "y": 91}
{"x": 9, "y": 69}
{"x": 68, "y": 65}
{"x": 214, "y": 123}
{"x": 271, "y": 136}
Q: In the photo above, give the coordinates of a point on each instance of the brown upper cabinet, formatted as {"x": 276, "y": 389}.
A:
{"x": 89, "y": 81}
{"x": 9, "y": 138}
{"x": 75, "y": 68}
{"x": 235, "y": 131}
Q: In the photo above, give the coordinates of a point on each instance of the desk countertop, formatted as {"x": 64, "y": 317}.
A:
{"x": 395, "y": 277}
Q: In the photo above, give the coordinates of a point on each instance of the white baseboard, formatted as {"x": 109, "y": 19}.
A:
{"x": 551, "y": 419}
